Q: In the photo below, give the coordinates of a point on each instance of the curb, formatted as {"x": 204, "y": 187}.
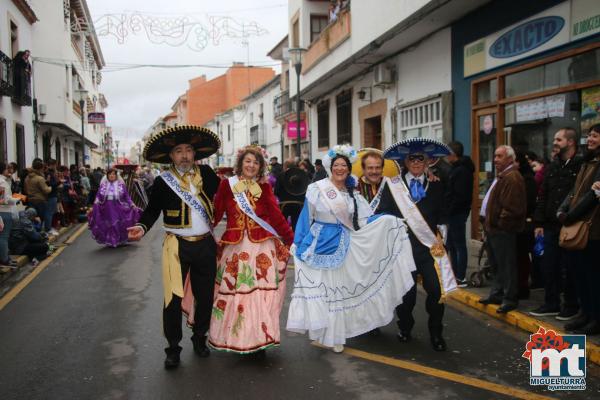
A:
{"x": 518, "y": 320}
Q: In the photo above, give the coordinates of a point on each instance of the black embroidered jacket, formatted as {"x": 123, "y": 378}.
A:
{"x": 176, "y": 214}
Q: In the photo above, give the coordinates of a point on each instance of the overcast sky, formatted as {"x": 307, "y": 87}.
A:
{"x": 138, "y": 97}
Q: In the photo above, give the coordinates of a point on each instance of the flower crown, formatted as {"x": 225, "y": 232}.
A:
{"x": 262, "y": 151}
{"x": 340, "y": 149}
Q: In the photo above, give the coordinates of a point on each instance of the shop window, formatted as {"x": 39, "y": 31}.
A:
{"x": 580, "y": 68}
{"x": 323, "y": 124}
{"x": 317, "y": 24}
{"x": 487, "y": 92}
{"x": 344, "y": 117}
{"x": 531, "y": 125}
{"x": 422, "y": 120}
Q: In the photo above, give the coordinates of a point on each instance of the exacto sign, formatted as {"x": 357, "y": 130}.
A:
{"x": 526, "y": 37}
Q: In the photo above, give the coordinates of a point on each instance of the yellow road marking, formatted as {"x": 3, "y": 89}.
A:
{"x": 12, "y": 293}
{"x": 439, "y": 373}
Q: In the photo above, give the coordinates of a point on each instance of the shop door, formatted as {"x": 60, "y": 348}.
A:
{"x": 485, "y": 141}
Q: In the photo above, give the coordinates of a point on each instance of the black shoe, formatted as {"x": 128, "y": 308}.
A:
{"x": 577, "y": 323}
{"x": 490, "y": 300}
{"x": 523, "y": 295}
{"x": 438, "y": 343}
{"x": 404, "y": 337}
{"x": 503, "y": 309}
{"x": 172, "y": 360}
{"x": 200, "y": 346}
{"x": 591, "y": 328}
{"x": 544, "y": 311}
{"x": 567, "y": 314}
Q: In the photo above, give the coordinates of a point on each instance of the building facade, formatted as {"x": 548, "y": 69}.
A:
{"x": 16, "y": 113}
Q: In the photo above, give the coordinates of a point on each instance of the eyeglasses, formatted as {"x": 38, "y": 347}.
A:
{"x": 416, "y": 157}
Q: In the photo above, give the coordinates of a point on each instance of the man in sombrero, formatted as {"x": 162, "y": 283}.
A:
{"x": 420, "y": 200}
{"x": 184, "y": 193}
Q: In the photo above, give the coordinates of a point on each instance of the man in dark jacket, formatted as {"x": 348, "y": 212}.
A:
{"x": 559, "y": 179}
{"x": 460, "y": 196}
{"x": 504, "y": 208}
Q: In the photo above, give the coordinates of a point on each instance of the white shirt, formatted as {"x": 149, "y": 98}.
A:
{"x": 199, "y": 226}
{"x": 410, "y": 177}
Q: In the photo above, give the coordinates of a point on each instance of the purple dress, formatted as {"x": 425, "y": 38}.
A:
{"x": 112, "y": 214}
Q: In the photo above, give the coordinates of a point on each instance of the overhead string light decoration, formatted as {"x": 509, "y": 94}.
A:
{"x": 175, "y": 31}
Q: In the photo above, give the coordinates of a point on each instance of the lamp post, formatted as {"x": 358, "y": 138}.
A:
{"x": 82, "y": 96}
{"x": 296, "y": 58}
{"x": 117, "y": 159}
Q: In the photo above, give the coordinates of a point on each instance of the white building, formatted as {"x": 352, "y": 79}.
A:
{"x": 16, "y": 113}
{"x": 232, "y": 127}
{"x": 262, "y": 128}
{"x": 67, "y": 64}
{"x": 376, "y": 72}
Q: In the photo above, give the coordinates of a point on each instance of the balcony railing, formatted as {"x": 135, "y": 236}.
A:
{"x": 6, "y": 81}
{"x": 21, "y": 82}
{"x": 282, "y": 105}
{"x": 331, "y": 37}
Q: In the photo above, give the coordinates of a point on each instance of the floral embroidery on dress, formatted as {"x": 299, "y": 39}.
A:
{"x": 263, "y": 263}
{"x": 268, "y": 338}
{"x": 219, "y": 309}
{"x": 232, "y": 269}
{"x": 238, "y": 321}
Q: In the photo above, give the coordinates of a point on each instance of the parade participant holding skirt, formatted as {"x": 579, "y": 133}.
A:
{"x": 113, "y": 211}
{"x": 250, "y": 284}
{"x": 349, "y": 276}
{"x": 184, "y": 193}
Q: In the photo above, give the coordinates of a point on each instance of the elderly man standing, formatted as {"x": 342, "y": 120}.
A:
{"x": 184, "y": 194}
{"x": 504, "y": 210}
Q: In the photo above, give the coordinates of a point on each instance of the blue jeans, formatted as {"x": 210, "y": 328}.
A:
{"x": 50, "y": 210}
{"x": 4, "y": 235}
{"x": 40, "y": 209}
{"x": 457, "y": 243}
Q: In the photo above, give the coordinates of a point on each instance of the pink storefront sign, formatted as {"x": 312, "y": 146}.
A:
{"x": 291, "y": 130}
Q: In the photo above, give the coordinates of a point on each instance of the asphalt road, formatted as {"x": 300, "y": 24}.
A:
{"x": 89, "y": 327}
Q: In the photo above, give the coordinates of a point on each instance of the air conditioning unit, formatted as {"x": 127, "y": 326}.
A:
{"x": 382, "y": 75}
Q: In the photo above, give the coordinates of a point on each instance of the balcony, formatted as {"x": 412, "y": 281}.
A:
{"x": 21, "y": 92}
{"x": 330, "y": 38}
{"x": 6, "y": 81}
{"x": 283, "y": 106}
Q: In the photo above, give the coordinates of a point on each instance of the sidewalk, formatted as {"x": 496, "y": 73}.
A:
{"x": 519, "y": 318}
{"x": 11, "y": 276}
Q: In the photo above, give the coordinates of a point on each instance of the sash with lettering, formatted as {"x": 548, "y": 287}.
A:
{"x": 244, "y": 204}
{"x": 192, "y": 201}
{"x": 334, "y": 200}
{"x": 377, "y": 199}
{"x": 423, "y": 232}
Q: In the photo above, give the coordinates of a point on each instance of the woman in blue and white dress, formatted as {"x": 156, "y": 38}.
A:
{"x": 349, "y": 274}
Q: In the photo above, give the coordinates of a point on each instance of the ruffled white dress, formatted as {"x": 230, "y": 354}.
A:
{"x": 347, "y": 282}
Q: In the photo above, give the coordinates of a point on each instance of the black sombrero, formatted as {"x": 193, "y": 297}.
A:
{"x": 204, "y": 141}
{"x": 400, "y": 150}
{"x": 295, "y": 181}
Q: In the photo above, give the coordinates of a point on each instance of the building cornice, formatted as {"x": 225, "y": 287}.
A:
{"x": 26, "y": 10}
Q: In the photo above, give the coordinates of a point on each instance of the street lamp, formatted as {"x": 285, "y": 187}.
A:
{"x": 82, "y": 96}
{"x": 296, "y": 58}
{"x": 117, "y": 159}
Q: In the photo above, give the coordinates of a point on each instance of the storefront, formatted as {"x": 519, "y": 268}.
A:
{"x": 528, "y": 80}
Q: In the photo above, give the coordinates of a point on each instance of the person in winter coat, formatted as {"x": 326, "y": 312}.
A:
{"x": 460, "y": 196}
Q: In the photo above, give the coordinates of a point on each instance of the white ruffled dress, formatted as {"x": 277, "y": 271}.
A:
{"x": 347, "y": 282}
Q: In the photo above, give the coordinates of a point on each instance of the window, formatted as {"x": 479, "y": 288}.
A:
{"x": 344, "y": 117}
{"x": 20, "y": 142}
{"x": 422, "y": 120}
{"x": 3, "y": 141}
{"x": 254, "y": 135}
{"x": 317, "y": 24}
{"x": 323, "y": 124}
{"x": 46, "y": 147}
{"x": 57, "y": 152}
{"x": 14, "y": 39}
{"x": 229, "y": 133}
{"x": 487, "y": 91}
{"x": 296, "y": 34}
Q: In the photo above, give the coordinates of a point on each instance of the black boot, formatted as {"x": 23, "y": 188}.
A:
{"x": 172, "y": 360}
{"x": 200, "y": 348}
{"x": 577, "y": 323}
